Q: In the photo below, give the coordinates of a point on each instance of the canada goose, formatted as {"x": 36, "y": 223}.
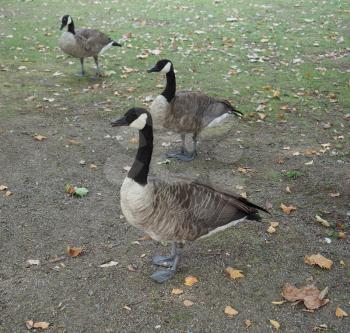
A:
{"x": 186, "y": 111}
{"x": 179, "y": 211}
{"x": 83, "y": 43}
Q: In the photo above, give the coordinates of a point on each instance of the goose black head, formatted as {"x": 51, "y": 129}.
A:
{"x": 164, "y": 66}
{"x": 66, "y": 20}
{"x": 135, "y": 117}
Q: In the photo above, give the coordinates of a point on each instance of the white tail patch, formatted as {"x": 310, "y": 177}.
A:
{"x": 140, "y": 122}
{"x": 223, "y": 227}
{"x": 218, "y": 120}
{"x": 166, "y": 68}
{"x": 108, "y": 46}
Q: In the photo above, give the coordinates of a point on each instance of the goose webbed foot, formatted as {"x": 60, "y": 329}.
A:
{"x": 174, "y": 154}
{"x": 165, "y": 261}
{"x": 186, "y": 157}
{"x": 163, "y": 275}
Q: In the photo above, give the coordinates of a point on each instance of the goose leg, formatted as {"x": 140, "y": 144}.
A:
{"x": 82, "y": 73}
{"x": 165, "y": 274}
{"x": 176, "y": 153}
{"x": 98, "y": 73}
{"x": 165, "y": 261}
{"x": 186, "y": 156}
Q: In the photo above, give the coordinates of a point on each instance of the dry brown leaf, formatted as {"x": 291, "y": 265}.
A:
{"x": 190, "y": 281}
{"x": 243, "y": 169}
{"x": 340, "y": 313}
{"x": 74, "y": 251}
{"x": 39, "y": 325}
{"x": 177, "y": 291}
{"x": 275, "y": 324}
{"x": 132, "y": 268}
{"x": 322, "y": 221}
{"x": 93, "y": 166}
{"x": 3, "y": 187}
{"x": 73, "y": 142}
{"x": 248, "y": 323}
{"x": 318, "y": 259}
{"x": 187, "y": 303}
{"x": 288, "y": 189}
{"x": 40, "y": 137}
{"x": 310, "y": 295}
{"x": 287, "y": 209}
{"x": 334, "y": 195}
{"x": 276, "y": 94}
{"x": 8, "y": 193}
{"x": 234, "y": 273}
{"x": 230, "y": 311}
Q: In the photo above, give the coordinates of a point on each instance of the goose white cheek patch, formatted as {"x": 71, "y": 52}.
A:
{"x": 140, "y": 122}
{"x": 69, "y": 20}
{"x": 166, "y": 68}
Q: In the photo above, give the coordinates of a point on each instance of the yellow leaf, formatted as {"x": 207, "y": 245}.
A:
{"x": 275, "y": 324}
{"x": 276, "y": 94}
{"x": 248, "y": 323}
{"x": 74, "y": 251}
{"x": 318, "y": 259}
{"x": 287, "y": 209}
{"x": 177, "y": 291}
{"x": 271, "y": 229}
{"x": 39, "y": 137}
{"x": 190, "y": 281}
{"x": 187, "y": 303}
{"x": 230, "y": 311}
{"x": 322, "y": 221}
{"x": 340, "y": 313}
{"x": 234, "y": 273}
{"x": 42, "y": 325}
{"x": 278, "y": 302}
{"x": 73, "y": 142}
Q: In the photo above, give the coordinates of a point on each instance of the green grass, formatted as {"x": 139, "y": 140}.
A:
{"x": 280, "y": 33}
{"x": 293, "y": 174}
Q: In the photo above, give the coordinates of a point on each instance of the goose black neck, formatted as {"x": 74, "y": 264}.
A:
{"x": 170, "y": 89}
{"x": 140, "y": 169}
{"x": 71, "y": 28}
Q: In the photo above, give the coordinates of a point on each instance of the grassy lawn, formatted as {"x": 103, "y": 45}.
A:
{"x": 284, "y": 64}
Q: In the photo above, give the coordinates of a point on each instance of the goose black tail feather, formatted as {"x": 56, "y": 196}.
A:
{"x": 116, "y": 43}
{"x": 232, "y": 110}
{"x": 249, "y": 204}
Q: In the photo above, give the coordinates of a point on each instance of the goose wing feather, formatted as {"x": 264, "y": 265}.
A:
{"x": 91, "y": 40}
{"x": 195, "y": 110}
{"x": 189, "y": 210}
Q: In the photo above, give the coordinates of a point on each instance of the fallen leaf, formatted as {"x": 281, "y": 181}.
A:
{"x": 318, "y": 259}
{"x": 74, "y": 251}
{"x": 334, "y": 195}
{"x": 134, "y": 140}
{"x": 109, "y": 264}
{"x": 322, "y": 221}
{"x": 187, "y": 303}
{"x": 8, "y": 193}
{"x": 276, "y": 94}
{"x": 93, "y": 166}
{"x": 128, "y": 308}
{"x": 40, "y": 324}
{"x": 287, "y": 209}
{"x": 190, "y": 281}
{"x": 33, "y": 262}
{"x": 340, "y": 313}
{"x": 177, "y": 291}
{"x": 234, "y": 273}
{"x": 248, "y": 323}
{"x": 312, "y": 297}
{"x": 70, "y": 189}
{"x": 40, "y": 137}
{"x": 243, "y": 169}
{"x": 81, "y": 191}
{"x": 288, "y": 189}
{"x": 132, "y": 268}
{"x": 73, "y": 142}
{"x": 278, "y": 302}
{"x": 230, "y": 311}
{"x": 3, "y": 187}
{"x": 275, "y": 324}
{"x": 145, "y": 237}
